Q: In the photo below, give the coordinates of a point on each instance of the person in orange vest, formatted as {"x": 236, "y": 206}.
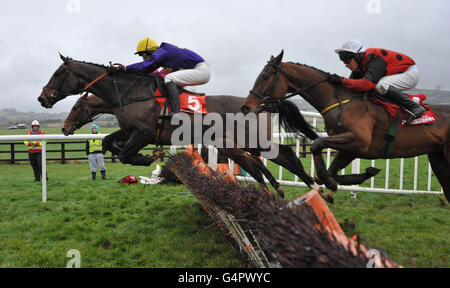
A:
{"x": 95, "y": 152}
{"x": 35, "y": 150}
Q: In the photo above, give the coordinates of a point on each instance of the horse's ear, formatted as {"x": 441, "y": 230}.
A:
{"x": 64, "y": 59}
{"x": 279, "y": 57}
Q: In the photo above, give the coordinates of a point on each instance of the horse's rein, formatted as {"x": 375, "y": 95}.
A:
{"x": 299, "y": 91}
{"x": 95, "y": 81}
{"x": 99, "y": 77}
{"x": 268, "y": 95}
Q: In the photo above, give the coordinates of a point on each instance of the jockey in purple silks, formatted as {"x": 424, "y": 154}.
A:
{"x": 185, "y": 67}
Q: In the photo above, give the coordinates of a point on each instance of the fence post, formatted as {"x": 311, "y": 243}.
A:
{"x": 303, "y": 147}
{"x": 13, "y": 156}
{"x": 162, "y": 148}
{"x": 63, "y": 153}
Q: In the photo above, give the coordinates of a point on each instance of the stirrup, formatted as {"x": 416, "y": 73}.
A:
{"x": 411, "y": 116}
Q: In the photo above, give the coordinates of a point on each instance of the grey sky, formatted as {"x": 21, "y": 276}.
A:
{"x": 236, "y": 37}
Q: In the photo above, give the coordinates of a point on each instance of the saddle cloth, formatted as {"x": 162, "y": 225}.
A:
{"x": 392, "y": 109}
{"x": 189, "y": 102}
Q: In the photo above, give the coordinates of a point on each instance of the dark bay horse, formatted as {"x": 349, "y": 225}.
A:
{"x": 357, "y": 129}
{"x": 138, "y": 120}
{"x": 89, "y": 107}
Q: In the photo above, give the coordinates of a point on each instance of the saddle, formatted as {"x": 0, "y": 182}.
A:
{"x": 190, "y": 102}
{"x": 393, "y": 109}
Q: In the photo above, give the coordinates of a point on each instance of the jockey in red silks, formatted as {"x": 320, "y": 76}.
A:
{"x": 388, "y": 72}
{"x": 184, "y": 67}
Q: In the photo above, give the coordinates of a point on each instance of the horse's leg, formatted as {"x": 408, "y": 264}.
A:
{"x": 253, "y": 166}
{"x": 441, "y": 168}
{"x": 342, "y": 160}
{"x": 129, "y": 154}
{"x": 110, "y": 140}
{"x": 287, "y": 158}
{"x": 345, "y": 141}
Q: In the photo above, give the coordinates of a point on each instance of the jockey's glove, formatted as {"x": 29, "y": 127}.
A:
{"x": 115, "y": 69}
{"x": 335, "y": 79}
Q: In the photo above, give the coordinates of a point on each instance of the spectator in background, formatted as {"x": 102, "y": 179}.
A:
{"x": 35, "y": 150}
{"x": 95, "y": 152}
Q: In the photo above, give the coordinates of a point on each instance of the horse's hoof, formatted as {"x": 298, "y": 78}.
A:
{"x": 372, "y": 171}
{"x": 329, "y": 197}
{"x": 281, "y": 193}
{"x": 331, "y": 184}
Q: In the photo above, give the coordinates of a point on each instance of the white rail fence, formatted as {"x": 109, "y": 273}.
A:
{"x": 355, "y": 167}
{"x": 43, "y": 139}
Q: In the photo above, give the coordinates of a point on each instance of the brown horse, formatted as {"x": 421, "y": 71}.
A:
{"x": 84, "y": 111}
{"x": 357, "y": 128}
{"x": 138, "y": 117}
{"x": 88, "y": 107}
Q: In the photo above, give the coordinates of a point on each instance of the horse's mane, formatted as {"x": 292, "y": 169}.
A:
{"x": 136, "y": 74}
{"x": 85, "y": 62}
{"x": 312, "y": 67}
{"x": 349, "y": 90}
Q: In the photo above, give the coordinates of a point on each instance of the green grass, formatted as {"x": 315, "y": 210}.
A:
{"x": 111, "y": 224}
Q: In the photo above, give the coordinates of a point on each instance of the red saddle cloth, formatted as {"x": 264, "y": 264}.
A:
{"x": 392, "y": 109}
{"x": 189, "y": 102}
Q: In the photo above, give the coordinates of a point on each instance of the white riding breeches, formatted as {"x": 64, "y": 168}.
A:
{"x": 198, "y": 75}
{"x": 403, "y": 81}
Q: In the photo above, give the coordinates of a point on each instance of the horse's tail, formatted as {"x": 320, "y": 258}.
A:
{"x": 292, "y": 120}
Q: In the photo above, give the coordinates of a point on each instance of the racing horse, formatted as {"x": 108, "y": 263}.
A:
{"x": 138, "y": 117}
{"x": 89, "y": 107}
{"x": 357, "y": 129}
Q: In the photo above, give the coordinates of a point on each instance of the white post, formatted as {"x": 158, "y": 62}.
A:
{"x": 356, "y": 166}
{"x": 386, "y": 185}
{"x": 44, "y": 171}
{"x": 401, "y": 173}
{"x": 280, "y": 168}
{"x": 212, "y": 157}
{"x": 416, "y": 169}
{"x": 173, "y": 150}
{"x": 372, "y": 180}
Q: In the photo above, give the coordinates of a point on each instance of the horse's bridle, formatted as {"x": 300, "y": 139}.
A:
{"x": 82, "y": 104}
{"x": 267, "y": 97}
{"x": 55, "y": 90}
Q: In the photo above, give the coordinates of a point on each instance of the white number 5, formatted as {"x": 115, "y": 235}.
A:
{"x": 193, "y": 100}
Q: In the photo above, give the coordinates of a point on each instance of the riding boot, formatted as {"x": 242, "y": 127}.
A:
{"x": 400, "y": 98}
{"x": 103, "y": 174}
{"x": 174, "y": 99}
{"x": 93, "y": 175}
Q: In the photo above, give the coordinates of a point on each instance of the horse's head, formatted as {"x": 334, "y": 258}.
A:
{"x": 80, "y": 114}
{"x": 269, "y": 87}
{"x": 63, "y": 83}
{"x": 269, "y": 94}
